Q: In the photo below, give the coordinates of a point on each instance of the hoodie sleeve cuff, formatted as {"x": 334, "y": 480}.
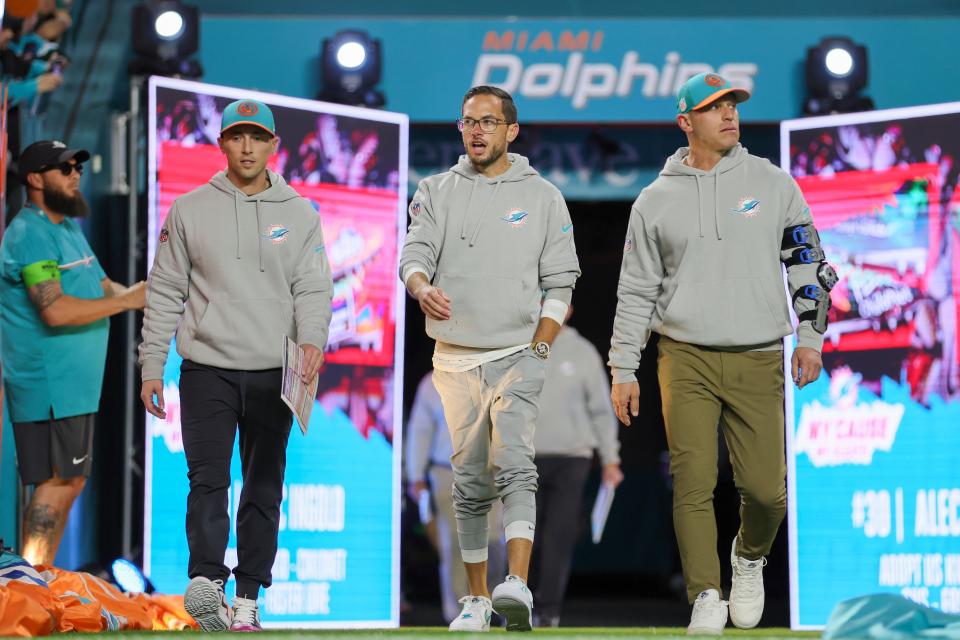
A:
{"x": 411, "y": 269}
{"x": 808, "y": 337}
{"x": 609, "y": 458}
{"x": 318, "y": 340}
{"x": 151, "y": 369}
{"x": 563, "y": 294}
{"x": 623, "y": 375}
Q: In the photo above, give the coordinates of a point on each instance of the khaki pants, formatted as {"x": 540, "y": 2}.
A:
{"x": 743, "y": 393}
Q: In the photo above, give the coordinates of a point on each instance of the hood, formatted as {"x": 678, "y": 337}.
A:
{"x": 278, "y": 191}
{"x": 519, "y": 170}
{"x": 674, "y": 168}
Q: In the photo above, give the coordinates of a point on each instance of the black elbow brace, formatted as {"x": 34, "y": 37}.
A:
{"x": 803, "y": 242}
{"x": 801, "y": 235}
{"x": 820, "y": 295}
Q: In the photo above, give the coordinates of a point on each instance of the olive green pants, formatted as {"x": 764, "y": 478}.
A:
{"x": 743, "y": 393}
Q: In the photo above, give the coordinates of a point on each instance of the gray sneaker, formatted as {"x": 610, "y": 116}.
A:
{"x": 246, "y": 615}
{"x": 206, "y": 602}
{"x": 513, "y": 600}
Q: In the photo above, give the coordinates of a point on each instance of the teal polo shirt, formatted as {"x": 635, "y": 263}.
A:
{"x": 49, "y": 371}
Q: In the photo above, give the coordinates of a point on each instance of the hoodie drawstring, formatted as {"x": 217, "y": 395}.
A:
{"x": 476, "y": 230}
{"x": 716, "y": 203}
{"x": 463, "y": 225}
{"x": 236, "y": 218}
{"x": 699, "y": 206}
{"x": 259, "y": 237}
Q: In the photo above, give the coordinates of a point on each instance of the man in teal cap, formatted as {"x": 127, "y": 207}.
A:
{"x": 240, "y": 264}
{"x": 702, "y": 266}
{"x": 55, "y": 302}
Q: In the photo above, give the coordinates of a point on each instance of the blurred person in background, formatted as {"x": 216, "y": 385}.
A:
{"x": 575, "y": 420}
{"x": 30, "y": 65}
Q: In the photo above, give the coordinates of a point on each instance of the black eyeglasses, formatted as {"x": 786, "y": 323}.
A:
{"x": 65, "y": 168}
{"x": 487, "y": 125}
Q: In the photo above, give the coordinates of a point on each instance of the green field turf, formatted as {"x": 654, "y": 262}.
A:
{"x": 581, "y": 633}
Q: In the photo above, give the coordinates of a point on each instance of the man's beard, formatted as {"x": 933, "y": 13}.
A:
{"x": 495, "y": 155}
{"x": 59, "y": 202}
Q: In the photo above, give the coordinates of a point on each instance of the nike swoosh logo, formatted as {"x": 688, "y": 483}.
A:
{"x": 79, "y": 460}
{"x": 566, "y": 227}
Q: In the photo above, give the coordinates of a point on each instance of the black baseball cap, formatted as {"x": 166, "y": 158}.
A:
{"x": 46, "y": 154}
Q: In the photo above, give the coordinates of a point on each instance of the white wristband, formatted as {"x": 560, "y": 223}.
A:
{"x": 556, "y": 310}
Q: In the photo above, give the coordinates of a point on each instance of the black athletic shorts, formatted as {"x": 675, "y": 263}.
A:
{"x": 62, "y": 448}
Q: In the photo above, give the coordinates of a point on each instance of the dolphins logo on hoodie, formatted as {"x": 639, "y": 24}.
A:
{"x": 748, "y": 206}
{"x": 515, "y": 217}
{"x": 276, "y": 233}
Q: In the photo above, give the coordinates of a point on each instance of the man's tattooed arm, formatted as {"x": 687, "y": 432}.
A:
{"x": 45, "y": 293}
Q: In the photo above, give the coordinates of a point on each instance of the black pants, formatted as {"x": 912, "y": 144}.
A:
{"x": 559, "y": 496}
{"x": 213, "y": 402}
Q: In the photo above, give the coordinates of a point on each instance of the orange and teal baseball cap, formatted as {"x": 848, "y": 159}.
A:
{"x": 248, "y": 112}
{"x": 704, "y": 88}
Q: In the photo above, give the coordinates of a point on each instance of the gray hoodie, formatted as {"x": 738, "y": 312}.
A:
{"x": 493, "y": 245}
{"x": 233, "y": 274}
{"x": 701, "y": 262}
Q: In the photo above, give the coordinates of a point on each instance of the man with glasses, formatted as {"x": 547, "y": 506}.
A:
{"x": 55, "y": 302}
{"x": 488, "y": 241}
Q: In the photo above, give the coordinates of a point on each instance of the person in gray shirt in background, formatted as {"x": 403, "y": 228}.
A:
{"x": 429, "y": 475}
{"x": 576, "y": 419}
{"x": 489, "y": 240}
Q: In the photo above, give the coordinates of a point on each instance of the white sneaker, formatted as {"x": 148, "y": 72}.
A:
{"x": 709, "y": 615}
{"x": 206, "y": 602}
{"x": 513, "y": 600}
{"x": 246, "y": 615}
{"x": 475, "y": 615}
{"x": 746, "y": 590}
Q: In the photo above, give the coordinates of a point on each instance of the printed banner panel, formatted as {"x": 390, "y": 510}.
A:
{"x": 874, "y": 502}
{"x": 587, "y": 70}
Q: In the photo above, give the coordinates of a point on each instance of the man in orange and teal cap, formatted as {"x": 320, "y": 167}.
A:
{"x": 240, "y": 264}
{"x": 702, "y": 266}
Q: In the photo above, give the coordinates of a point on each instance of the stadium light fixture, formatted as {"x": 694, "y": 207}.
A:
{"x": 169, "y": 25}
{"x": 164, "y": 34}
{"x": 836, "y": 73}
{"x": 350, "y": 69}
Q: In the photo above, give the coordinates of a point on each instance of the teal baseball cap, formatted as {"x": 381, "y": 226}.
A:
{"x": 248, "y": 112}
{"x": 704, "y": 88}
